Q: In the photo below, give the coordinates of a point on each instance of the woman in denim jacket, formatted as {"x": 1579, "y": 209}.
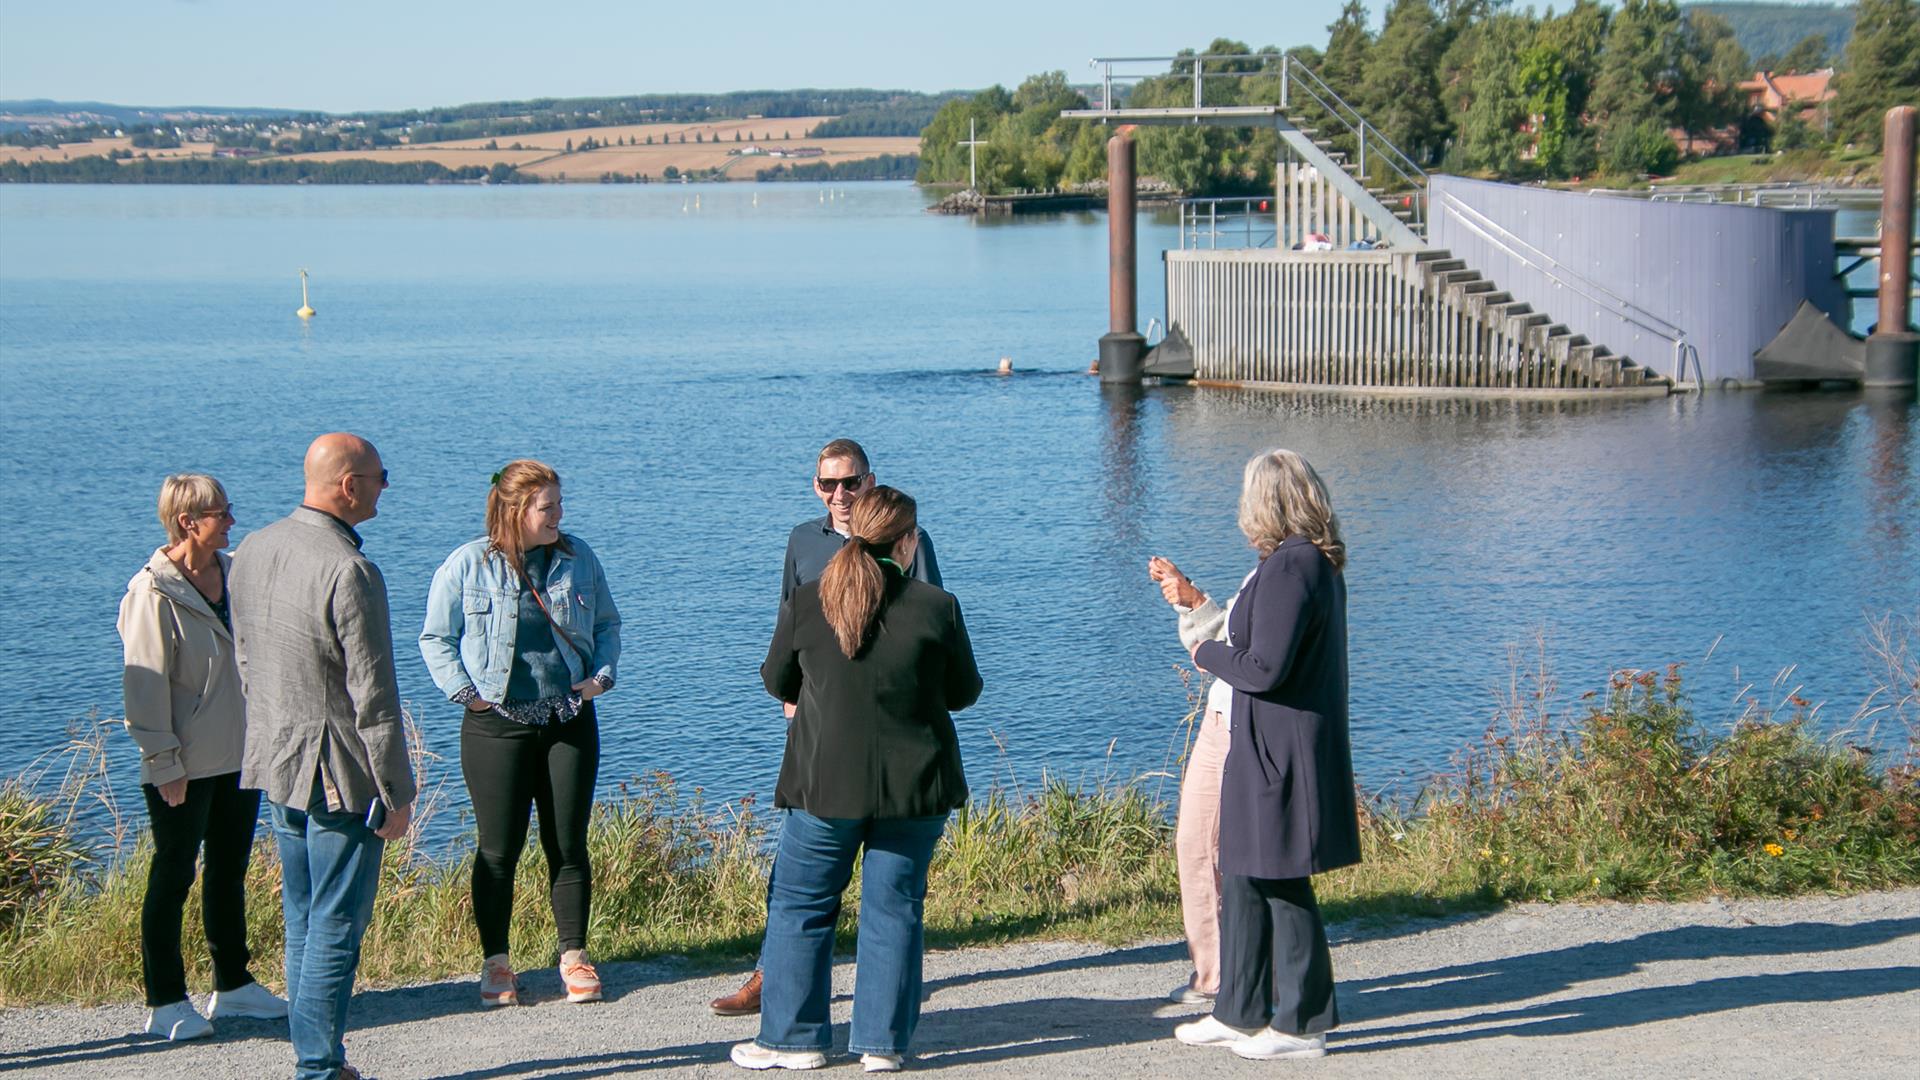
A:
{"x": 522, "y": 631}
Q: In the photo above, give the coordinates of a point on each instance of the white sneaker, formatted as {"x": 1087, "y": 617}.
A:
{"x": 1207, "y": 1031}
{"x": 178, "y": 1022}
{"x": 1271, "y": 1045}
{"x": 1185, "y": 994}
{"x": 751, "y": 1055}
{"x": 882, "y": 1062}
{"x": 253, "y": 1001}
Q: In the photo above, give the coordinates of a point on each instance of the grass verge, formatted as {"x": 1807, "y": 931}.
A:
{"x": 1627, "y": 796}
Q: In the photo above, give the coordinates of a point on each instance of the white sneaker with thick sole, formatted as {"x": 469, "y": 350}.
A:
{"x": 1207, "y": 1031}
{"x": 253, "y": 1001}
{"x": 882, "y": 1062}
{"x": 178, "y": 1022}
{"x": 751, "y": 1055}
{"x": 1271, "y": 1045}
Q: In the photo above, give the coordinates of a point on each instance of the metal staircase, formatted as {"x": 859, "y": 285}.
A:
{"x": 1305, "y": 100}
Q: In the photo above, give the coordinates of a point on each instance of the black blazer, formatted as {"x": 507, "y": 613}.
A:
{"x": 873, "y": 736}
{"x": 1287, "y": 806}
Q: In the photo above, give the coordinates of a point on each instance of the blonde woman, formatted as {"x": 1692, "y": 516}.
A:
{"x": 874, "y": 663}
{"x": 1287, "y": 807}
{"x": 185, "y": 710}
{"x": 522, "y": 631}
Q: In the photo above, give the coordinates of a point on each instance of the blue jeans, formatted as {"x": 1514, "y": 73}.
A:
{"x": 330, "y": 869}
{"x": 813, "y": 867}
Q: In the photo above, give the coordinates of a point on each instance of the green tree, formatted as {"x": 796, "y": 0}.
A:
{"x": 1641, "y": 83}
{"x": 1543, "y": 80}
{"x": 1882, "y": 69}
{"x": 1400, "y": 91}
{"x": 1712, "y": 66}
{"x": 1348, "y": 41}
{"x": 1809, "y": 55}
{"x": 1578, "y": 38}
{"x": 1492, "y": 130}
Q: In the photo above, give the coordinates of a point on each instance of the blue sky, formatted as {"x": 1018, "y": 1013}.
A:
{"x": 359, "y": 54}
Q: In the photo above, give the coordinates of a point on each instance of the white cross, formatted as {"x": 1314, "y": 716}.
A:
{"x": 972, "y": 140}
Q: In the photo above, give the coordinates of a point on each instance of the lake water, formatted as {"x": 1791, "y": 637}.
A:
{"x": 680, "y": 365}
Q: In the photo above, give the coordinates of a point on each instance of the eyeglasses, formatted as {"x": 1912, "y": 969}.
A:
{"x": 851, "y": 483}
{"x": 382, "y": 474}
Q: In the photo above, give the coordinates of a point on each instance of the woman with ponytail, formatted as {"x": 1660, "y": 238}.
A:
{"x": 523, "y": 633}
{"x": 874, "y": 663}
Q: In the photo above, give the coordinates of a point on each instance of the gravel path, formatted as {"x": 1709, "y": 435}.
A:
{"x": 1812, "y": 987}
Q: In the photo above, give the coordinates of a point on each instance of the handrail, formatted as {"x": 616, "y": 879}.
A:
{"x": 1190, "y": 222}
{"x": 1365, "y": 125}
{"x": 1682, "y": 348}
{"x": 1358, "y": 126}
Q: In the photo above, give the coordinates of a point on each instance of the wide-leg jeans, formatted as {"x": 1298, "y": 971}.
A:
{"x": 812, "y": 869}
{"x": 330, "y": 870}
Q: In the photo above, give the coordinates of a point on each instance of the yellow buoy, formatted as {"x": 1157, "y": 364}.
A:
{"x": 306, "y": 310}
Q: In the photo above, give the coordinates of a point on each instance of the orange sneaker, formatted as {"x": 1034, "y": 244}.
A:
{"x": 498, "y": 985}
{"x": 582, "y": 982}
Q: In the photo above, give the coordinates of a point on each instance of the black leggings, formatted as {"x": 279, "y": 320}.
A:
{"x": 511, "y": 768}
{"x": 217, "y": 816}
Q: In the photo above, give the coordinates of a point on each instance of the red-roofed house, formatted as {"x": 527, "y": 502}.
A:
{"x": 1770, "y": 93}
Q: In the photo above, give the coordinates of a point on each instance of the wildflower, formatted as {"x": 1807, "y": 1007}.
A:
{"x": 1816, "y": 813}
{"x": 1486, "y": 853}
{"x": 1775, "y": 850}
{"x": 1596, "y": 882}
{"x": 1789, "y": 834}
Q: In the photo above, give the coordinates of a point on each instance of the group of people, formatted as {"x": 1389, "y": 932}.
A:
{"x": 271, "y": 672}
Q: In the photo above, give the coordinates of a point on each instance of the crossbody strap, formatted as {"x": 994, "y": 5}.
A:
{"x": 586, "y": 655}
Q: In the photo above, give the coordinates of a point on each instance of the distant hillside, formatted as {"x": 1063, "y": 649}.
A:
{"x": 1772, "y": 29}
{"x": 134, "y": 113}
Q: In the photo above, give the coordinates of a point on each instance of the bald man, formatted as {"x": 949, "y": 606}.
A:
{"x": 324, "y": 735}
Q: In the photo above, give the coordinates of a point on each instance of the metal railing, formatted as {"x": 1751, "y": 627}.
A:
{"x": 1784, "y": 195}
{"x": 1291, "y": 71}
{"x": 1204, "y": 222}
{"x": 1567, "y": 277}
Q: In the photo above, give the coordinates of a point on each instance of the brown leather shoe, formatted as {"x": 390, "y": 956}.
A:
{"x": 742, "y": 1002}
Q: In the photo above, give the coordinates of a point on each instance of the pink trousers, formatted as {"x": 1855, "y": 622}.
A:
{"x": 1196, "y": 847}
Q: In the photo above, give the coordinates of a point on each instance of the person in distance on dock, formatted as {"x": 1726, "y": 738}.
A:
{"x": 875, "y": 663}
{"x": 522, "y": 631}
{"x": 185, "y": 710}
{"x": 1287, "y": 809}
{"x": 326, "y": 741}
{"x": 841, "y": 474}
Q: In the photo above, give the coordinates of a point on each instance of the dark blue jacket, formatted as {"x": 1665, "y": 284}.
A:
{"x": 1287, "y": 805}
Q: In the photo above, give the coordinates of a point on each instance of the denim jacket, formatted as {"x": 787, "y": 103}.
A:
{"x": 473, "y": 610}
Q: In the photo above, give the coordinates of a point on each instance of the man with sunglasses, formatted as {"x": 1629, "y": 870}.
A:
{"x": 841, "y": 475}
{"x": 325, "y": 740}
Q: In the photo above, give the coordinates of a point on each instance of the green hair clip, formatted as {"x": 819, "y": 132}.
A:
{"x": 495, "y": 481}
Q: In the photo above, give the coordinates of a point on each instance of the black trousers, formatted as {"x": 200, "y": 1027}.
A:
{"x": 1275, "y": 968}
{"x": 511, "y": 768}
{"x": 218, "y": 815}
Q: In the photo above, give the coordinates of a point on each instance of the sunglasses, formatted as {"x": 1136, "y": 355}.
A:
{"x": 851, "y": 483}
{"x": 382, "y": 474}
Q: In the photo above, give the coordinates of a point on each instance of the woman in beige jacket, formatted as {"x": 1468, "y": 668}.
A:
{"x": 186, "y": 711}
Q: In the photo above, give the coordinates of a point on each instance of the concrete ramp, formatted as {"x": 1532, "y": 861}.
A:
{"x": 1810, "y": 348}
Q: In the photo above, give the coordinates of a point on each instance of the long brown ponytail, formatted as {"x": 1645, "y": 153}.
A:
{"x": 853, "y": 583}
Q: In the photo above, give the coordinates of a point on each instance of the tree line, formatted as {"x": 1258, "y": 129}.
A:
{"x": 199, "y": 170}
{"x": 1471, "y": 86}
{"x": 883, "y": 167}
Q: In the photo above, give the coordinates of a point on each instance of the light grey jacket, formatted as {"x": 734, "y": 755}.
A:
{"x": 315, "y": 644}
{"x": 183, "y": 700}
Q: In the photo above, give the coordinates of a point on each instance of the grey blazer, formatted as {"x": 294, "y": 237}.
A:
{"x": 315, "y": 647}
